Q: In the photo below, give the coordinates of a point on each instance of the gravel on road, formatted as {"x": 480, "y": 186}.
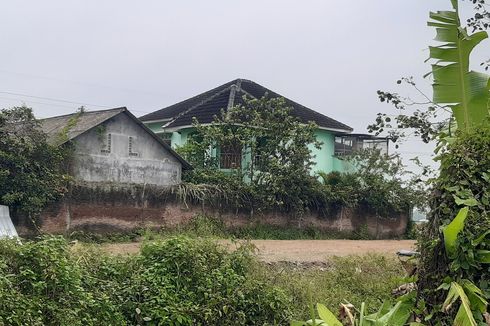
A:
{"x": 299, "y": 250}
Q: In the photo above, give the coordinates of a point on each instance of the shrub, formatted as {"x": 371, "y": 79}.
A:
{"x": 178, "y": 281}
{"x": 40, "y": 284}
{"x": 197, "y": 282}
{"x": 354, "y": 279}
{"x": 464, "y": 181}
{"x": 32, "y": 171}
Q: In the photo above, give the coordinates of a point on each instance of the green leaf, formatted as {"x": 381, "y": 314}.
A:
{"x": 466, "y": 202}
{"x": 466, "y": 92}
{"x": 315, "y": 322}
{"x": 297, "y": 323}
{"x": 361, "y": 316}
{"x": 464, "y": 317}
{"x": 452, "y": 230}
{"x": 475, "y": 295}
{"x": 327, "y": 316}
{"x": 480, "y": 239}
{"x": 483, "y": 256}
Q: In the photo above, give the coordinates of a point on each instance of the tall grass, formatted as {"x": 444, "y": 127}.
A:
{"x": 354, "y": 279}
{"x": 209, "y": 226}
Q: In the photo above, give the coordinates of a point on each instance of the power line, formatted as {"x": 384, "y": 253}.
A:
{"x": 60, "y": 100}
{"x": 80, "y": 82}
{"x": 54, "y": 99}
{"x": 29, "y": 101}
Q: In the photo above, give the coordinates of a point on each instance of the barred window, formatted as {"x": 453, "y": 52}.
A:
{"x": 131, "y": 146}
{"x": 231, "y": 156}
{"x": 107, "y": 145}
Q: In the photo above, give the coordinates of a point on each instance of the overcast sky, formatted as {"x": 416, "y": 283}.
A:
{"x": 331, "y": 56}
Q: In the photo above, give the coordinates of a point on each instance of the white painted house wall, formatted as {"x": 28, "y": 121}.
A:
{"x": 146, "y": 162}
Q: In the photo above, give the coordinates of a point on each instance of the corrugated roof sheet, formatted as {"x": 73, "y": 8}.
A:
{"x": 208, "y": 104}
{"x": 54, "y": 126}
{"x": 78, "y": 123}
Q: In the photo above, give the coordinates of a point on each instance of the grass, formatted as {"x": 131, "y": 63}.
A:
{"x": 353, "y": 279}
{"x": 208, "y": 226}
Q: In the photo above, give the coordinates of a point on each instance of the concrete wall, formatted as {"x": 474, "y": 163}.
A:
{"x": 109, "y": 217}
{"x": 119, "y": 210}
{"x": 150, "y": 163}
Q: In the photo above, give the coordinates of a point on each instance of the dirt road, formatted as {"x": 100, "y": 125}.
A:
{"x": 300, "y": 250}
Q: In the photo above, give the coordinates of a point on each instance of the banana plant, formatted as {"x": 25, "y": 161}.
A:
{"x": 453, "y": 229}
{"x": 387, "y": 315}
{"x": 327, "y": 318}
{"x": 472, "y": 298}
{"x": 466, "y": 92}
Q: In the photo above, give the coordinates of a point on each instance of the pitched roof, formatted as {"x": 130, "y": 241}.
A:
{"x": 53, "y": 127}
{"x": 75, "y": 124}
{"x": 208, "y": 104}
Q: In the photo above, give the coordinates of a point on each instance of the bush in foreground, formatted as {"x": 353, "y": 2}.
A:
{"x": 179, "y": 281}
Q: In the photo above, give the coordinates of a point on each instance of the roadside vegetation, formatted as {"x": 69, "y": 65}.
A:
{"x": 451, "y": 284}
{"x": 175, "y": 281}
{"x": 213, "y": 227}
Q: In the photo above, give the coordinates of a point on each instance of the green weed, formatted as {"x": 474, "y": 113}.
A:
{"x": 355, "y": 279}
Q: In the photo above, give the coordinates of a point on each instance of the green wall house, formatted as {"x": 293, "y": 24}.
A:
{"x": 174, "y": 125}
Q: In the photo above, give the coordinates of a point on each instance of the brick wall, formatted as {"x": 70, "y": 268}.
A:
{"x": 121, "y": 210}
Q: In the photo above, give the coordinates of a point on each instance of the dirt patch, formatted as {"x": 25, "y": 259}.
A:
{"x": 299, "y": 250}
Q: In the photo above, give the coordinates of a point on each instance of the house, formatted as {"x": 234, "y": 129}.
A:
{"x": 173, "y": 124}
{"x": 114, "y": 146}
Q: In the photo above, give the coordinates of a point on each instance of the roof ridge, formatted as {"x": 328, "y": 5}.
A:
{"x": 201, "y": 103}
{"x": 232, "y": 82}
{"x": 269, "y": 92}
{"x": 174, "y": 115}
{"x": 122, "y": 108}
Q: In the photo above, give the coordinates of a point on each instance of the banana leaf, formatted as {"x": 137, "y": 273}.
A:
{"x": 452, "y": 230}
{"x": 466, "y": 92}
{"x": 464, "y": 316}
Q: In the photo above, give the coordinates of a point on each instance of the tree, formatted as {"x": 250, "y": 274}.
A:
{"x": 31, "y": 170}
{"x": 274, "y": 150}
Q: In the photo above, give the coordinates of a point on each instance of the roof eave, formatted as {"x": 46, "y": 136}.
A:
{"x": 177, "y": 128}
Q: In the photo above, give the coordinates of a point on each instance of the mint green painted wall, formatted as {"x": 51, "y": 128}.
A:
{"x": 176, "y": 140}
{"x": 156, "y": 127}
{"x": 184, "y": 135}
{"x": 323, "y": 157}
{"x": 342, "y": 166}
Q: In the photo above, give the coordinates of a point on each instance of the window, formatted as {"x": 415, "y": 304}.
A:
{"x": 166, "y": 137}
{"x": 106, "y": 149}
{"x": 131, "y": 141}
{"x": 231, "y": 156}
{"x": 348, "y": 144}
{"x": 260, "y": 155}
